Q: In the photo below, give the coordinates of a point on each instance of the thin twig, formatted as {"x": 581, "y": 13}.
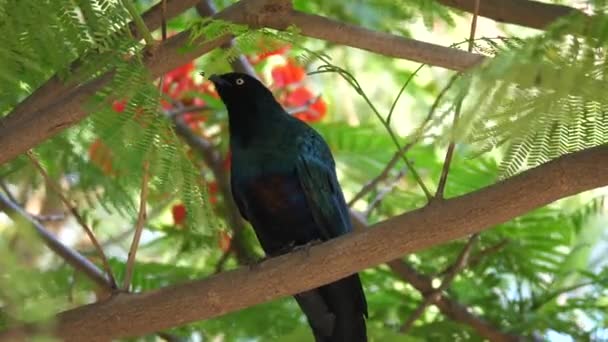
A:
{"x": 432, "y": 297}
{"x": 160, "y": 208}
{"x": 72, "y": 257}
{"x": 479, "y": 256}
{"x": 450, "y": 307}
{"x": 435, "y": 105}
{"x": 163, "y": 20}
{"x": 439, "y": 194}
{"x": 74, "y": 212}
{"x": 7, "y": 191}
{"x": 462, "y": 259}
{"x": 539, "y": 303}
{"x": 383, "y": 193}
{"x": 328, "y": 67}
{"x": 50, "y": 218}
{"x": 409, "y": 79}
{"x": 139, "y": 226}
{"x": 139, "y": 22}
{"x": 163, "y": 27}
{"x": 416, "y": 137}
{"x": 369, "y": 186}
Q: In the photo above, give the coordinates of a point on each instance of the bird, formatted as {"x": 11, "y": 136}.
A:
{"x": 284, "y": 182}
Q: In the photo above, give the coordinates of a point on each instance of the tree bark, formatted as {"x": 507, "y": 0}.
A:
{"x": 532, "y": 14}
{"x": 139, "y": 314}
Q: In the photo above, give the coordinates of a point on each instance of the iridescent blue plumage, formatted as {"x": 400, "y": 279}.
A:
{"x": 284, "y": 183}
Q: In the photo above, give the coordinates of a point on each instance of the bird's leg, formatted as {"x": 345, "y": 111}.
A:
{"x": 306, "y": 247}
{"x": 291, "y": 247}
{"x": 283, "y": 250}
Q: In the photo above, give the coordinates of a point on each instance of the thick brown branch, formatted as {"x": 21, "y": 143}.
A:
{"x": 47, "y": 113}
{"x": 521, "y": 12}
{"x": 378, "y": 42}
{"x": 205, "y": 8}
{"x": 139, "y": 314}
{"x": 23, "y": 128}
{"x": 54, "y": 88}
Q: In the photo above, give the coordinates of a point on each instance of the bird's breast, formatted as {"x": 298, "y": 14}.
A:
{"x": 277, "y": 194}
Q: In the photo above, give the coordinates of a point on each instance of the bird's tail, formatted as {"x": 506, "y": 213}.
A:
{"x": 336, "y": 312}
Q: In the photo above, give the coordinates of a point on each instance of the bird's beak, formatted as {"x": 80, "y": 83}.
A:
{"x": 218, "y": 81}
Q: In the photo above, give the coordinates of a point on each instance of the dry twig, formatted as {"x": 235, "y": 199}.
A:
{"x": 139, "y": 226}
{"x": 74, "y": 212}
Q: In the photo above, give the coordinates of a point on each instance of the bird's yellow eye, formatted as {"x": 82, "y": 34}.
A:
{"x": 240, "y": 81}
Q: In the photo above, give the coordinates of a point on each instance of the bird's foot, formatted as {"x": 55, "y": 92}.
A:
{"x": 306, "y": 247}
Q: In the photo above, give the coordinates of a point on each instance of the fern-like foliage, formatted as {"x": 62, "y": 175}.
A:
{"x": 544, "y": 98}
{"x": 77, "y": 41}
{"x": 44, "y": 37}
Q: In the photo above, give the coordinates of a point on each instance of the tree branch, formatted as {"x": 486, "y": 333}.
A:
{"x": 448, "y": 307}
{"x": 139, "y": 227}
{"x": 28, "y": 125}
{"x": 439, "y": 194}
{"x": 72, "y": 209}
{"x": 54, "y": 88}
{"x": 433, "y": 296}
{"x": 521, "y": 12}
{"x": 53, "y": 107}
{"x": 139, "y": 314}
{"x": 205, "y": 8}
{"x": 384, "y": 174}
{"x": 72, "y": 257}
{"x": 382, "y": 193}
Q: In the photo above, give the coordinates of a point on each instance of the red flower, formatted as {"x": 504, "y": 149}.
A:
{"x": 281, "y": 50}
{"x": 179, "y": 214}
{"x": 194, "y": 119}
{"x": 178, "y": 80}
{"x": 287, "y": 74}
{"x": 189, "y": 100}
{"x": 181, "y": 72}
{"x": 212, "y": 189}
{"x": 302, "y": 97}
{"x": 119, "y": 105}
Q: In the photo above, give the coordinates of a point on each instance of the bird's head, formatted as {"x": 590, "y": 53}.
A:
{"x": 242, "y": 93}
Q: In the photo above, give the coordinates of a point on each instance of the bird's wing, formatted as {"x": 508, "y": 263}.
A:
{"x": 316, "y": 172}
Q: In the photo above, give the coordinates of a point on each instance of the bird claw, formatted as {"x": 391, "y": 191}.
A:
{"x": 288, "y": 249}
{"x": 306, "y": 247}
